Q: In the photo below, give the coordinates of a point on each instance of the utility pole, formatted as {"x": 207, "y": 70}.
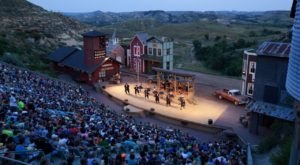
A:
{"x": 138, "y": 70}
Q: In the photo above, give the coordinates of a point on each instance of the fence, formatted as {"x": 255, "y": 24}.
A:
{"x": 27, "y": 157}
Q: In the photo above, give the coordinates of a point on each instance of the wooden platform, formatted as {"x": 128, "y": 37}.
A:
{"x": 198, "y": 113}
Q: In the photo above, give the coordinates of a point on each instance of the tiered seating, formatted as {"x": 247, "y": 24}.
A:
{"x": 50, "y": 120}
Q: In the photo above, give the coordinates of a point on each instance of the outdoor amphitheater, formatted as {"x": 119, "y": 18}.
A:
{"x": 45, "y": 120}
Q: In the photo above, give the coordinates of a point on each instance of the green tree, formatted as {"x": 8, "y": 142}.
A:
{"x": 206, "y": 36}
{"x": 12, "y": 58}
{"x": 3, "y": 46}
{"x": 241, "y": 43}
{"x": 217, "y": 38}
{"x": 233, "y": 66}
{"x": 197, "y": 44}
{"x": 283, "y": 155}
{"x": 252, "y": 34}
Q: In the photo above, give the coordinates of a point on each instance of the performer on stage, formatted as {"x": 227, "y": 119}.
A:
{"x": 136, "y": 90}
{"x": 168, "y": 99}
{"x": 126, "y": 87}
{"x": 156, "y": 95}
{"x": 182, "y": 102}
{"x": 140, "y": 87}
{"x": 146, "y": 92}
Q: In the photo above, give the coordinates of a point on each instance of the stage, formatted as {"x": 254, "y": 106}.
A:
{"x": 198, "y": 112}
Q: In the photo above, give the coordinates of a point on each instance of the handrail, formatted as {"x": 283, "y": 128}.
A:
{"x": 21, "y": 152}
{"x": 249, "y": 155}
{"x": 13, "y": 160}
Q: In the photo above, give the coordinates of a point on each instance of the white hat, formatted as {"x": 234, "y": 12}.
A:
{"x": 54, "y": 136}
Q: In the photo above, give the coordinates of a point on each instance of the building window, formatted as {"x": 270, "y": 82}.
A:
{"x": 252, "y": 67}
{"x": 102, "y": 74}
{"x": 168, "y": 51}
{"x": 136, "y": 50}
{"x": 150, "y": 51}
{"x": 159, "y": 52}
{"x": 154, "y": 51}
{"x": 168, "y": 65}
{"x": 250, "y": 89}
{"x": 99, "y": 54}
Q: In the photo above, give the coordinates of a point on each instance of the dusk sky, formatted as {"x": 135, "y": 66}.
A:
{"x": 167, "y": 5}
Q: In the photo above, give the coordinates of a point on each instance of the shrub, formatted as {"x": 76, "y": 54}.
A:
{"x": 222, "y": 56}
{"x": 12, "y": 58}
{"x": 267, "y": 144}
{"x": 280, "y": 134}
{"x": 283, "y": 155}
{"x": 252, "y": 34}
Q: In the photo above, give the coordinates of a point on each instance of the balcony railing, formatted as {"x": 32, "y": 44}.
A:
{"x": 152, "y": 58}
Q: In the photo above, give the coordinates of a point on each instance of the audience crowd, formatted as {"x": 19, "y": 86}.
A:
{"x": 50, "y": 121}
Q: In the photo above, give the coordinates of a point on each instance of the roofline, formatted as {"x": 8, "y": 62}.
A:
{"x": 173, "y": 72}
{"x": 247, "y": 52}
{"x": 271, "y": 55}
{"x": 75, "y": 50}
{"x": 154, "y": 37}
{"x": 100, "y": 34}
{"x": 140, "y": 39}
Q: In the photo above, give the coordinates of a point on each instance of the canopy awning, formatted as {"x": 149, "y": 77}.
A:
{"x": 272, "y": 110}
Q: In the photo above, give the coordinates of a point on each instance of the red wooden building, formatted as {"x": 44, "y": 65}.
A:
{"x": 89, "y": 66}
{"x": 138, "y": 47}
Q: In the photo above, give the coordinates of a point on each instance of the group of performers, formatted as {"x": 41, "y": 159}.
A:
{"x": 138, "y": 88}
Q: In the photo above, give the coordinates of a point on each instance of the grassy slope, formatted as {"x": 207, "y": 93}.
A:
{"x": 28, "y": 33}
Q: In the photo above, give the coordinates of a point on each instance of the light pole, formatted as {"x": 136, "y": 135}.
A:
{"x": 138, "y": 70}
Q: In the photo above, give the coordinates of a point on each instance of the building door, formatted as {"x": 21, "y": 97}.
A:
{"x": 148, "y": 66}
{"x": 271, "y": 94}
{"x": 137, "y": 65}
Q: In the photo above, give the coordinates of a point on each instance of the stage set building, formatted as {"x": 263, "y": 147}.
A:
{"x": 91, "y": 65}
{"x": 147, "y": 52}
{"x": 115, "y": 50}
{"x": 248, "y": 76}
{"x": 271, "y": 101}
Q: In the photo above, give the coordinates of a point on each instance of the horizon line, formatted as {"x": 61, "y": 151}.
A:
{"x": 248, "y": 11}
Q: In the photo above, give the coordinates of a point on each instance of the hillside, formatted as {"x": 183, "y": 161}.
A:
{"x": 209, "y": 28}
{"x": 108, "y": 18}
{"x": 254, "y": 28}
{"x": 28, "y": 33}
{"x": 178, "y": 17}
